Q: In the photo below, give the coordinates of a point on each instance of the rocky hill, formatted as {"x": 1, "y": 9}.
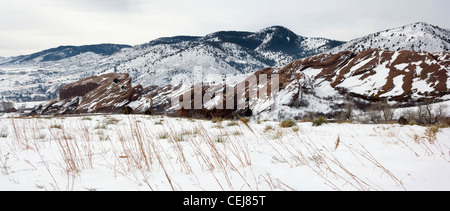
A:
{"x": 323, "y": 83}
{"x": 163, "y": 61}
{"x": 106, "y": 93}
{"x": 317, "y": 84}
{"x": 418, "y": 37}
{"x": 64, "y": 52}
{"x": 384, "y": 65}
{"x": 171, "y": 60}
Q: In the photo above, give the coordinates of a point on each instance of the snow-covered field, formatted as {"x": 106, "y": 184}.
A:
{"x": 117, "y": 152}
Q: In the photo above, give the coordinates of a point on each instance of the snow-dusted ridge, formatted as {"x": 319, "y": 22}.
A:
{"x": 414, "y": 37}
{"x": 156, "y": 62}
{"x": 171, "y": 60}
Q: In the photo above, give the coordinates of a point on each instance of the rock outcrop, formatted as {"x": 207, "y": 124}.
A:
{"x": 314, "y": 84}
{"x": 375, "y": 74}
{"x": 319, "y": 83}
{"x": 105, "y": 93}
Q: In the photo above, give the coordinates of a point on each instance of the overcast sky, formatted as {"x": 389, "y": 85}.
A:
{"x": 28, "y": 26}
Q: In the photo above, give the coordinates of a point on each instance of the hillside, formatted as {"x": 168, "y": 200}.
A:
{"x": 418, "y": 37}
{"x": 318, "y": 84}
{"x": 64, "y": 52}
{"x": 160, "y": 62}
{"x": 225, "y": 52}
{"x": 321, "y": 83}
{"x": 170, "y": 61}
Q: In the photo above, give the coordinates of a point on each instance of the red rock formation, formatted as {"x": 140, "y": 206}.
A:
{"x": 372, "y": 75}
{"x": 428, "y": 69}
{"x": 104, "y": 93}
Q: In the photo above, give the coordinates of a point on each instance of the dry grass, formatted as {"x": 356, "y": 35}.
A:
{"x": 288, "y": 123}
{"x": 136, "y": 150}
{"x": 338, "y": 141}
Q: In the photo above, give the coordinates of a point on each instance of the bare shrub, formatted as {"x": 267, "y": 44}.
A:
{"x": 347, "y": 112}
{"x": 381, "y": 111}
{"x": 429, "y": 114}
{"x": 5, "y": 105}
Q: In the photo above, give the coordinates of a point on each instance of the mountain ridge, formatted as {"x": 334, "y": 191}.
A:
{"x": 158, "y": 62}
{"x": 67, "y": 51}
{"x": 419, "y": 36}
{"x": 323, "y": 83}
{"x": 171, "y": 60}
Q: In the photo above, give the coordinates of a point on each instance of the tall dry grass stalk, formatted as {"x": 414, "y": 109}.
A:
{"x": 21, "y": 139}
{"x": 137, "y": 151}
{"x": 329, "y": 163}
{"x": 338, "y": 141}
{"x": 245, "y": 123}
{"x": 175, "y": 141}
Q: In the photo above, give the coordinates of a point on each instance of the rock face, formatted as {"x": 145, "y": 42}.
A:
{"x": 375, "y": 74}
{"x": 317, "y": 84}
{"x": 320, "y": 83}
{"x": 105, "y": 93}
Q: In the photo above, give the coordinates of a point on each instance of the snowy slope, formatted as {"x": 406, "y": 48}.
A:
{"x": 414, "y": 37}
{"x": 171, "y": 60}
{"x": 100, "y": 153}
{"x": 63, "y": 52}
{"x": 157, "y": 62}
{"x": 226, "y": 52}
{"x": 319, "y": 84}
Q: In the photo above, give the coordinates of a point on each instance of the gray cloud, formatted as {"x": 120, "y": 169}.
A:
{"x": 107, "y": 5}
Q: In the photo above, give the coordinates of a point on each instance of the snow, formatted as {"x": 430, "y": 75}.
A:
{"x": 422, "y": 85}
{"x": 398, "y": 87}
{"x": 401, "y": 66}
{"x": 360, "y": 64}
{"x": 415, "y": 37}
{"x": 324, "y": 89}
{"x": 370, "y": 85}
{"x": 118, "y": 152}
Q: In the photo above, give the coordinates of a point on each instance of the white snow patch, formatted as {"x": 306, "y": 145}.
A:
{"x": 160, "y": 153}
{"x": 401, "y": 66}
{"x": 398, "y": 87}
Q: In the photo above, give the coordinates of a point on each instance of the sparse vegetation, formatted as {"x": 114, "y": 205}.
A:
{"x": 217, "y": 120}
{"x": 288, "y": 123}
{"x": 380, "y": 112}
{"x": 233, "y": 123}
{"x": 237, "y": 133}
{"x": 57, "y": 126}
{"x": 319, "y": 121}
{"x": 278, "y": 134}
{"x": 4, "y": 132}
{"x": 127, "y": 110}
{"x": 268, "y": 128}
{"x": 101, "y": 126}
{"x": 163, "y": 135}
{"x": 221, "y": 139}
{"x": 137, "y": 148}
{"x": 178, "y": 137}
{"x": 429, "y": 114}
{"x": 111, "y": 121}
